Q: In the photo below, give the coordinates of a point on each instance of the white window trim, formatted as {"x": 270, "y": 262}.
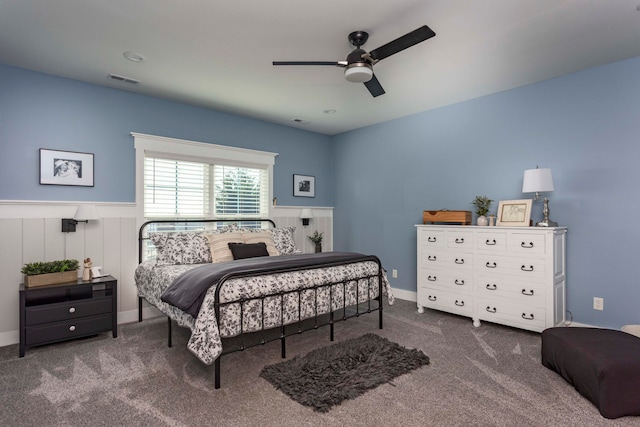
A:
{"x": 192, "y": 150}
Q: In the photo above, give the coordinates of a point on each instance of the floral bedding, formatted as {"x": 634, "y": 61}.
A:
{"x": 205, "y": 342}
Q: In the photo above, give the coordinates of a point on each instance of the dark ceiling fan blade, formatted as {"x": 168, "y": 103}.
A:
{"x": 414, "y": 37}
{"x": 334, "y": 63}
{"x": 374, "y": 86}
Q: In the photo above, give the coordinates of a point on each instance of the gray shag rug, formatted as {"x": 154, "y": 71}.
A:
{"x": 327, "y": 376}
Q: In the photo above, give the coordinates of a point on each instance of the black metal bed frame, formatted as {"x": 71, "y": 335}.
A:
{"x": 333, "y": 315}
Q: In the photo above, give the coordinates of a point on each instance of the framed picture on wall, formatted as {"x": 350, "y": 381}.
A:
{"x": 66, "y": 168}
{"x": 304, "y": 186}
{"x": 514, "y": 213}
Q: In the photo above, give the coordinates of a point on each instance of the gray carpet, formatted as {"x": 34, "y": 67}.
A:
{"x": 486, "y": 376}
{"x": 327, "y": 376}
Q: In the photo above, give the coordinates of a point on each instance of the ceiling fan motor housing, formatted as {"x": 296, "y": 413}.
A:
{"x": 358, "y": 72}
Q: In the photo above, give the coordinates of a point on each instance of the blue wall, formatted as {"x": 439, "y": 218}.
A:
{"x": 43, "y": 111}
{"x": 584, "y": 126}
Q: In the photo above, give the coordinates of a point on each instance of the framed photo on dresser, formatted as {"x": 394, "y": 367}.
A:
{"x": 514, "y": 213}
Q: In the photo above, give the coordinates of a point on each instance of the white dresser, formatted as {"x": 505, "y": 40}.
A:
{"x": 509, "y": 275}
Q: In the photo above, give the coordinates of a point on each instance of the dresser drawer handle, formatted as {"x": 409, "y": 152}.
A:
{"x": 491, "y": 242}
{"x": 491, "y": 287}
{"x": 527, "y": 246}
{"x": 527, "y": 317}
{"x": 459, "y": 261}
{"x": 459, "y": 282}
{"x": 431, "y": 257}
{"x": 529, "y": 293}
{"x": 459, "y": 303}
{"x": 459, "y": 239}
{"x": 72, "y": 328}
{"x": 524, "y": 268}
{"x": 432, "y": 278}
{"x": 491, "y": 264}
{"x": 431, "y": 239}
{"x": 72, "y": 309}
{"x": 432, "y": 298}
{"x": 491, "y": 310}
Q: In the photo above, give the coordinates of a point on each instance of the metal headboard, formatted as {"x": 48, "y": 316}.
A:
{"x": 143, "y": 233}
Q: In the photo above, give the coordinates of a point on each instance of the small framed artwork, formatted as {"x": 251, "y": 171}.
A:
{"x": 514, "y": 213}
{"x": 97, "y": 272}
{"x": 66, "y": 168}
{"x": 304, "y": 186}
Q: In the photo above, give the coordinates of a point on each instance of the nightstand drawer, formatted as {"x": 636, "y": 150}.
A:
{"x": 69, "y": 329}
{"x": 68, "y": 310}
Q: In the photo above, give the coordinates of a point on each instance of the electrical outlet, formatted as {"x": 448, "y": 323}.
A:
{"x": 394, "y": 273}
{"x": 598, "y": 303}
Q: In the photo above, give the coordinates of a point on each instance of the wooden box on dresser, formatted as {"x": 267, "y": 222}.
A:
{"x": 514, "y": 276}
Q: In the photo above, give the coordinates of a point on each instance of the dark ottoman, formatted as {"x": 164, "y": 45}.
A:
{"x": 602, "y": 364}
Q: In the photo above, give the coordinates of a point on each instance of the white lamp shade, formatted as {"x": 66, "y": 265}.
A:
{"x": 306, "y": 213}
{"x": 537, "y": 180}
{"x": 357, "y": 73}
{"x": 86, "y": 212}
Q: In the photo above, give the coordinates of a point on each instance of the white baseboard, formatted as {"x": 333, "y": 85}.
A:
{"x": 405, "y": 295}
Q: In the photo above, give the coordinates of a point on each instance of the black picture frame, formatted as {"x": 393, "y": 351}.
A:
{"x": 304, "y": 185}
{"x": 66, "y": 168}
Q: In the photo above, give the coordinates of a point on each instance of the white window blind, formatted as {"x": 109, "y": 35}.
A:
{"x": 176, "y": 189}
{"x": 240, "y": 192}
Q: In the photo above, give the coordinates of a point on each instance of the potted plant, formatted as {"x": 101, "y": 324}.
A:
{"x": 316, "y": 238}
{"x": 482, "y": 204}
{"x": 50, "y": 272}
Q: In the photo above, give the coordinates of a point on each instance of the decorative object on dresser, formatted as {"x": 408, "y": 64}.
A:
{"x": 50, "y": 272}
{"x": 512, "y": 276}
{"x": 447, "y": 216}
{"x": 66, "y": 168}
{"x": 342, "y": 371}
{"x": 304, "y": 186}
{"x": 316, "y": 239}
{"x": 539, "y": 181}
{"x": 67, "y": 311}
{"x": 514, "y": 213}
{"x": 482, "y": 204}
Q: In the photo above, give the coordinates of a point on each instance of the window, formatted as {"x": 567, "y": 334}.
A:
{"x": 185, "y": 179}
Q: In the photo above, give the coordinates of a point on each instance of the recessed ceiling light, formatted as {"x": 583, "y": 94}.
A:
{"x": 133, "y": 56}
{"x": 330, "y": 111}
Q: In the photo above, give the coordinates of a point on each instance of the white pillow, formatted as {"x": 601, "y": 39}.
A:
{"x": 219, "y": 245}
{"x": 263, "y": 237}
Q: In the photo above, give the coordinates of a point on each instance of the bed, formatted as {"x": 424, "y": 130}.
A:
{"x": 229, "y": 281}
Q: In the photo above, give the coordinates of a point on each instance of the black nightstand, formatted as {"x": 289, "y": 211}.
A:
{"x": 66, "y": 311}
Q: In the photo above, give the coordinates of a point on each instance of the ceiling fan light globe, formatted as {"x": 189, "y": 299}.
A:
{"x": 358, "y": 73}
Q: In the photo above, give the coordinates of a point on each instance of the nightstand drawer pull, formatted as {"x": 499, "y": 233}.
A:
{"x": 491, "y": 242}
{"x": 529, "y": 293}
{"x": 72, "y": 328}
{"x": 459, "y": 239}
{"x": 527, "y": 317}
{"x": 459, "y": 303}
{"x": 72, "y": 309}
{"x": 431, "y": 257}
{"x": 459, "y": 282}
{"x": 491, "y": 264}
{"x": 492, "y": 287}
{"x": 524, "y": 268}
{"x": 432, "y": 298}
{"x": 527, "y": 246}
{"x": 432, "y": 278}
{"x": 431, "y": 239}
{"x": 491, "y": 310}
{"x": 459, "y": 261}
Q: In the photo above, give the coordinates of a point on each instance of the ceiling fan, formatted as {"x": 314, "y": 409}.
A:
{"x": 359, "y": 64}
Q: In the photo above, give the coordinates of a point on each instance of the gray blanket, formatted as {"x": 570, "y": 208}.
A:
{"x": 188, "y": 290}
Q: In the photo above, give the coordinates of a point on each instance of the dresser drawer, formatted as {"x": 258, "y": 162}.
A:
{"x": 460, "y": 240}
{"x": 454, "y": 281}
{"x": 52, "y": 332}
{"x": 507, "y": 312}
{"x": 431, "y": 238}
{"x": 527, "y": 244}
{"x": 532, "y": 269}
{"x": 68, "y": 310}
{"x": 530, "y": 294}
{"x": 492, "y": 241}
{"x": 442, "y": 300}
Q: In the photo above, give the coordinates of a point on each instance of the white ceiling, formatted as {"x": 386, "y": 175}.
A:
{"x": 218, "y": 54}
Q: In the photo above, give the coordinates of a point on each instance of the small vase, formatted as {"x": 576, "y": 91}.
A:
{"x": 482, "y": 221}
{"x": 318, "y": 248}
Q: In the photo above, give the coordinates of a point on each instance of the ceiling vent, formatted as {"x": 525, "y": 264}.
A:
{"x": 123, "y": 79}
